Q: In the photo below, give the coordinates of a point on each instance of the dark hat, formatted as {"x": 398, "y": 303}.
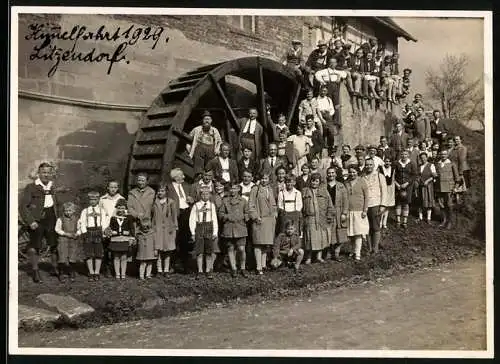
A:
{"x": 407, "y": 70}
{"x": 321, "y": 42}
{"x": 346, "y": 46}
{"x": 309, "y": 117}
{"x": 206, "y": 113}
{"x": 296, "y": 41}
{"x": 359, "y": 147}
{"x": 332, "y": 149}
{"x": 369, "y": 146}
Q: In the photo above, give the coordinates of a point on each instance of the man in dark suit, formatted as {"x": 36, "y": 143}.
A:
{"x": 458, "y": 156}
{"x": 384, "y": 150}
{"x": 224, "y": 168}
{"x": 439, "y": 130}
{"x": 271, "y": 162}
{"x": 182, "y": 193}
{"x": 38, "y": 210}
{"x": 399, "y": 139}
{"x": 251, "y": 134}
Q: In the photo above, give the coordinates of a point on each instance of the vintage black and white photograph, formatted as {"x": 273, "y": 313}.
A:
{"x": 251, "y": 182}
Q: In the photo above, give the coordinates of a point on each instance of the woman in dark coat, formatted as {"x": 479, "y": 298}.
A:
{"x": 404, "y": 176}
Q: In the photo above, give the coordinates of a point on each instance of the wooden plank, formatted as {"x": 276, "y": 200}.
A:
{"x": 149, "y": 150}
{"x": 182, "y": 135}
{"x": 262, "y": 102}
{"x": 159, "y": 112}
{"x": 156, "y": 135}
{"x": 151, "y": 164}
{"x": 184, "y": 159}
{"x": 227, "y": 105}
{"x": 293, "y": 103}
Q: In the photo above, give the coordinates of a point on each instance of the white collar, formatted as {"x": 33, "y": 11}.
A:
{"x": 405, "y": 163}
{"x": 108, "y": 196}
{"x": 446, "y": 161}
{"x": 39, "y": 182}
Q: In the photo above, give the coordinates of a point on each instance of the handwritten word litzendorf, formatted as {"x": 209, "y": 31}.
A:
{"x": 48, "y": 50}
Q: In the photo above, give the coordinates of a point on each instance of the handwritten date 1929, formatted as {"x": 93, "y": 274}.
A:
{"x": 47, "y": 48}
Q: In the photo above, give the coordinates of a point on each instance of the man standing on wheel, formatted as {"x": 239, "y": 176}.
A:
{"x": 38, "y": 210}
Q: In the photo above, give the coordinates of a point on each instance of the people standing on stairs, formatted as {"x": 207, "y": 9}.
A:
{"x": 223, "y": 166}
{"x": 165, "y": 226}
{"x": 263, "y": 213}
{"x": 318, "y": 216}
{"x": 377, "y": 196}
{"x": 427, "y": 174}
{"x": 406, "y": 83}
{"x": 279, "y": 127}
{"x": 405, "y": 173}
{"x": 204, "y": 227}
{"x": 68, "y": 241}
{"x": 347, "y": 158}
{"x": 181, "y": 192}
{"x": 121, "y": 232}
{"x": 92, "y": 224}
{"x": 38, "y": 210}
{"x": 384, "y": 150}
{"x": 413, "y": 151}
{"x": 372, "y": 154}
{"x": 397, "y": 90}
{"x": 357, "y": 221}
{"x": 448, "y": 179}
{"x": 251, "y": 134}
{"x": 388, "y": 171}
{"x": 339, "y": 197}
{"x": 206, "y": 143}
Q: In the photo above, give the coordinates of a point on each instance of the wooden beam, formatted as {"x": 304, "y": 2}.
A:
{"x": 261, "y": 96}
{"x": 293, "y": 103}
{"x": 227, "y": 106}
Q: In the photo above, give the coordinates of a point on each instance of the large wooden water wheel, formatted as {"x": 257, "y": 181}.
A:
{"x": 160, "y": 143}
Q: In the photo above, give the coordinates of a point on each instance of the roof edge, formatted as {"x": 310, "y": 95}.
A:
{"x": 388, "y": 22}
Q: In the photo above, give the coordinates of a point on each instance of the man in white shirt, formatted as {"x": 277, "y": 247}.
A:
{"x": 181, "y": 193}
{"x": 290, "y": 205}
{"x": 372, "y": 153}
{"x": 37, "y": 209}
{"x": 377, "y": 197}
{"x": 326, "y": 111}
{"x": 330, "y": 77}
{"x": 224, "y": 168}
{"x": 250, "y": 134}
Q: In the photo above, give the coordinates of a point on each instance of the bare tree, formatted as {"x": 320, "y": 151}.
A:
{"x": 458, "y": 97}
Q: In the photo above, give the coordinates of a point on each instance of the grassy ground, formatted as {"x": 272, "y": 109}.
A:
{"x": 419, "y": 246}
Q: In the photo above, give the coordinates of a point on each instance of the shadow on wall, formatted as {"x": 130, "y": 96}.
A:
{"x": 90, "y": 157}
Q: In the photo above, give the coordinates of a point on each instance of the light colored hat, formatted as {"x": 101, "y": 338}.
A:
{"x": 296, "y": 41}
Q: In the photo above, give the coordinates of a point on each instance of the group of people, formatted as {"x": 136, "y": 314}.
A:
{"x": 288, "y": 207}
{"x": 369, "y": 72}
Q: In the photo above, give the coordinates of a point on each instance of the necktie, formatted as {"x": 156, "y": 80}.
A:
{"x": 181, "y": 195}
{"x": 205, "y": 212}
{"x": 272, "y": 162}
{"x": 95, "y": 216}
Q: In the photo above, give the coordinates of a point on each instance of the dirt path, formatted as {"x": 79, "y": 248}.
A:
{"x": 442, "y": 308}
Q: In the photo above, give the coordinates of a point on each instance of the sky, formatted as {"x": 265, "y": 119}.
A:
{"x": 435, "y": 38}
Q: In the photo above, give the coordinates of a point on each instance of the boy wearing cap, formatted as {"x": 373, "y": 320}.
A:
{"x": 206, "y": 143}
{"x": 317, "y": 60}
{"x": 293, "y": 58}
